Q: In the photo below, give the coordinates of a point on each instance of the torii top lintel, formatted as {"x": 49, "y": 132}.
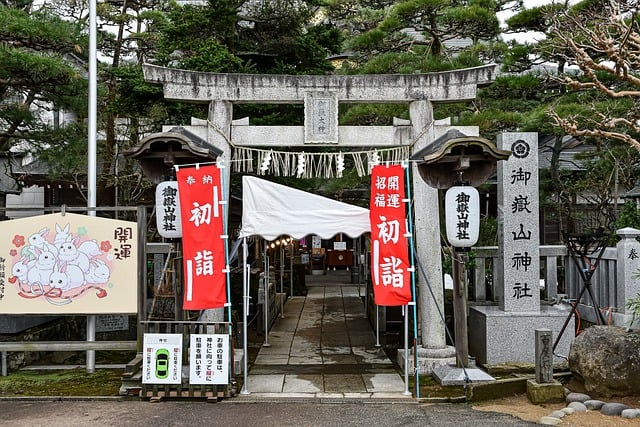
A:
{"x": 201, "y": 87}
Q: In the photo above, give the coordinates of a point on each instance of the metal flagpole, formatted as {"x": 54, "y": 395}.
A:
{"x": 225, "y": 236}
{"x": 245, "y": 315}
{"x": 405, "y": 315}
{"x": 377, "y": 326}
{"x": 227, "y": 269}
{"x": 91, "y": 155}
{"x": 413, "y": 282}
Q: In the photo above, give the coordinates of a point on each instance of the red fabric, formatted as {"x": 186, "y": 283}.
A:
{"x": 203, "y": 248}
{"x": 389, "y": 247}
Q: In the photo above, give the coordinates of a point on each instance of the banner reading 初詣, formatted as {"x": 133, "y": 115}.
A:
{"x": 68, "y": 264}
{"x": 389, "y": 246}
{"x": 203, "y": 244}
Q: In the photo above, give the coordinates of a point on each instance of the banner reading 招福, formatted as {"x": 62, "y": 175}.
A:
{"x": 204, "y": 260}
{"x": 389, "y": 246}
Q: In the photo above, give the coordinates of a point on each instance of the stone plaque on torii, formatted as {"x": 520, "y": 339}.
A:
{"x": 321, "y": 96}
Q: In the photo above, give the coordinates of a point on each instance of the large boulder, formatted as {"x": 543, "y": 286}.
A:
{"x": 607, "y": 359}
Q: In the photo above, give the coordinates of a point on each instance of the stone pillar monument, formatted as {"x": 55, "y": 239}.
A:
{"x": 434, "y": 350}
{"x": 628, "y": 266}
{"x": 505, "y": 333}
{"x": 518, "y": 219}
{"x": 219, "y": 135}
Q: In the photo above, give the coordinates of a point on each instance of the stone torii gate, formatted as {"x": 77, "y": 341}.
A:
{"x": 321, "y": 96}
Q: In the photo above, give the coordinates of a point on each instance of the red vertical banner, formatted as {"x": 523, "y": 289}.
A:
{"x": 389, "y": 247}
{"x": 203, "y": 246}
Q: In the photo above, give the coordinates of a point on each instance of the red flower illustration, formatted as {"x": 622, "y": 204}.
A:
{"x": 13, "y": 252}
{"x": 105, "y": 246}
{"x": 18, "y": 240}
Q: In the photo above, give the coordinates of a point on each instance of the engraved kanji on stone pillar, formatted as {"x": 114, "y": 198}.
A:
{"x": 518, "y": 218}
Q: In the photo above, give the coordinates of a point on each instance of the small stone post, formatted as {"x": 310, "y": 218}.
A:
{"x": 544, "y": 356}
{"x": 628, "y": 268}
{"x": 544, "y": 388}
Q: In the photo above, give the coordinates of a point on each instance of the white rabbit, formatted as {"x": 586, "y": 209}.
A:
{"x": 43, "y": 267}
{"x": 39, "y": 240}
{"x": 20, "y": 269}
{"x": 62, "y": 235}
{"x": 66, "y": 276}
{"x": 99, "y": 272}
{"x": 90, "y": 248}
{"x": 69, "y": 253}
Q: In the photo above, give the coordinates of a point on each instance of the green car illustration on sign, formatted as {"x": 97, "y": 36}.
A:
{"x": 162, "y": 363}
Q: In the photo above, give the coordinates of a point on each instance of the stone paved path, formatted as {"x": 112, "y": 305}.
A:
{"x": 324, "y": 347}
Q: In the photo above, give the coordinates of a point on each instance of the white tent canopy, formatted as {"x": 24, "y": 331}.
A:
{"x": 270, "y": 210}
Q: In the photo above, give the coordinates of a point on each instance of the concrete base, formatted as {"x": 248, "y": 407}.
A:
{"x": 451, "y": 375}
{"x": 545, "y": 393}
{"x": 238, "y": 361}
{"x": 428, "y": 359}
{"x": 496, "y": 336}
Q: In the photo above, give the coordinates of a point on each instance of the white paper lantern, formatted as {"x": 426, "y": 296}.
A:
{"x": 462, "y": 216}
{"x": 168, "y": 210}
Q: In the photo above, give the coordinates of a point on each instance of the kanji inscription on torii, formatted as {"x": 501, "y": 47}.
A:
{"x": 519, "y": 206}
{"x": 320, "y": 118}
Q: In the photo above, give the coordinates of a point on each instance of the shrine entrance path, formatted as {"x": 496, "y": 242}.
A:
{"x": 324, "y": 347}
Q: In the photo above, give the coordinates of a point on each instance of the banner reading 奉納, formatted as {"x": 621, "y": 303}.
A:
{"x": 202, "y": 237}
{"x": 389, "y": 246}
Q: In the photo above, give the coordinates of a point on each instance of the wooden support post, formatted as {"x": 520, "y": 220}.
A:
{"x": 460, "y": 308}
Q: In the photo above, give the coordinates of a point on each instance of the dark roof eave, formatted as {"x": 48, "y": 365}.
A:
{"x": 443, "y": 145}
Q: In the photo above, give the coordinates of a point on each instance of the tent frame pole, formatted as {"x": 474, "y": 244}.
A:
{"x": 245, "y": 315}
{"x": 265, "y": 300}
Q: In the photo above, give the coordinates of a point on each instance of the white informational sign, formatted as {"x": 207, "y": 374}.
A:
{"x": 162, "y": 362}
{"x": 462, "y": 216}
{"x": 168, "y": 210}
{"x": 209, "y": 359}
{"x": 340, "y": 246}
{"x": 316, "y": 242}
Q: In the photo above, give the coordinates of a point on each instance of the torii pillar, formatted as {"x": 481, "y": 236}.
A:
{"x": 420, "y": 91}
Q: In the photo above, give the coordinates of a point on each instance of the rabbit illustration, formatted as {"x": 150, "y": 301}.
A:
{"x": 90, "y": 248}
{"x": 68, "y": 252}
{"x": 42, "y": 268}
{"x": 62, "y": 235}
{"x": 39, "y": 240}
{"x": 98, "y": 272}
{"x": 66, "y": 276}
{"x": 20, "y": 269}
